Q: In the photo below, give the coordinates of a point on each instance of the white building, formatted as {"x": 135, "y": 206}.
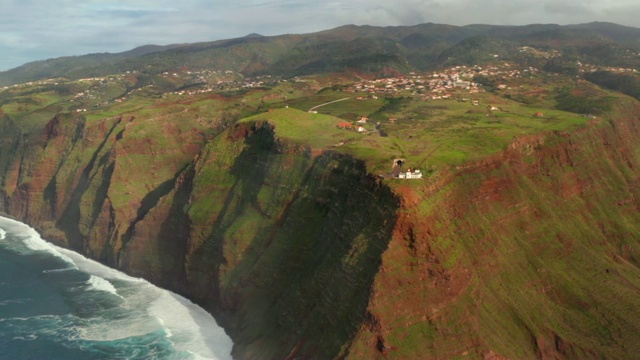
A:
{"x": 415, "y": 174}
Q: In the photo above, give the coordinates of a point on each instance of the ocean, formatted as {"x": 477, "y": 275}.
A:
{"x": 56, "y": 304}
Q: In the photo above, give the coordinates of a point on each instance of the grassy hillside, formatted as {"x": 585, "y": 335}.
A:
{"x": 531, "y": 254}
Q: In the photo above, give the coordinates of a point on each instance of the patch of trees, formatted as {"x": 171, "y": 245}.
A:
{"x": 610, "y": 55}
{"x": 581, "y": 103}
{"x": 524, "y": 99}
{"x": 486, "y": 82}
{"x": 393, "y": 105}
{"x": 561, "y": 66}
{"x": 379, "y": 130}
{"x": 626, "y": 84}
{"x": 478, "y": 50}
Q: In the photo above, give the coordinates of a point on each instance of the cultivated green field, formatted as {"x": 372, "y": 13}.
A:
{"x": 430, "y": 134}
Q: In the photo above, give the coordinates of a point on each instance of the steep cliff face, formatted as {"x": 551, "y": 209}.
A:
{"x": 531, "y": 253}
{"x": 280, "y": 245}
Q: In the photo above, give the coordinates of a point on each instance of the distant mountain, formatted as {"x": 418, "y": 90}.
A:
{"x": 365, "y": 48}
{"x": 623, "y": 35}
{"x": 76, "y": 67}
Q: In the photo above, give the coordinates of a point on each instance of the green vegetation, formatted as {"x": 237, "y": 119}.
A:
{"x": 624, "y": 83}
{"x": 561, "y": 66}
{"x": 488, "y": 83}
{"x": 478, "y": 50}
{"x": 513, "y": 266}
{"x": 317, "y": 130}
{"x": 374, "y": 50}
{"x": 568, "y": 100}
{"x": 432, "y": 134}
{"x": 518, "y": 242}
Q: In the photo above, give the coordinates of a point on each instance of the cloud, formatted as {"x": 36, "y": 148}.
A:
{"x": 32, "y": 29}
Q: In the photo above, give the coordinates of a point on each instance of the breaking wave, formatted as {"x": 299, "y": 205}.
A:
{"x": 95, "y": 311}
{"x": 101, "y": 284}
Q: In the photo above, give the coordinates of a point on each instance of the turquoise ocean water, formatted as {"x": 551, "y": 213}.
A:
{"x": 56, "y": 304}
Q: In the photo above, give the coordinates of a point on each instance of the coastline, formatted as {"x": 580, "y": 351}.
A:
{"x": 176, "y": 313}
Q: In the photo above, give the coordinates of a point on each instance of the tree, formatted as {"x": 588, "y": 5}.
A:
{"x": 627, "y": 84}
{"x": 488, "y": 83}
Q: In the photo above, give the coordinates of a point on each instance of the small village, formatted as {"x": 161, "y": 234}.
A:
{"x": 439, "y": 84}
{"x": 434, "y": 85}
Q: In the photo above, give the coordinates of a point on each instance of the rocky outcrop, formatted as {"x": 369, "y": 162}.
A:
{"x": 299, "y": 254}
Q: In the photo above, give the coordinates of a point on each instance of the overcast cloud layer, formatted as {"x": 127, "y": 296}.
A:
{"x": 36, "y": 30}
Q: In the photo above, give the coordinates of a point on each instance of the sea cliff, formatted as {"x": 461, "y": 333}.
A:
{"x": 530, "y": 253}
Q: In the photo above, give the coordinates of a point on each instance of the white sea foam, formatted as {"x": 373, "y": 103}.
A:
{"x": 15, "y": 301}
{"x": 3, "y": 234}
{"x": 117, "y": 329}
{"x": 31, "y": 239}
{"x": 192, "y": 328}
{"x": 93, "y": 267}
{"x": 25, "y": 338}
{"x": 188, "y": 327}
{"x": 149, "y": 308}
{"x": 198, "y": 356}
{"x": 57, "y": 270}
{"x": 101, "y": 284}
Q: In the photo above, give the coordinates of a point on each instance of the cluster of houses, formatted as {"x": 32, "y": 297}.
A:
{"x": 212, "y": 80}
{"x": 54, "y": 81}
{"x": 217, "y": 80}
{"x": 91, "y": 94}
{"x": 201, "y": 75}
{"x": 206, "y": 89}
{"x": 94, "y": 92}
{"x": 538, "y": 52}
{"x": 581, "y": 66}
{"x": 618, "y": 69}
{"x": 85, "y": 95}
{"x": 592, "y": 68}
{"x": 423, "y": 84}
{"x": 439, "y": 84}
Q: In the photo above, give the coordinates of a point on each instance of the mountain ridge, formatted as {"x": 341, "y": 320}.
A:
{"x": 418, "y": 47}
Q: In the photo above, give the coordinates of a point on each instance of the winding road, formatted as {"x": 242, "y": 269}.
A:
{"x": 330, "y": 102}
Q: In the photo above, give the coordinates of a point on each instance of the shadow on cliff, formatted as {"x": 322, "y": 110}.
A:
{"x": 71, "y": 218}
{"x": 156, "y": 250}
{"x": 302, "y": 284}
{"x": 10, "y": 143}
{"x": 249, "y": 169}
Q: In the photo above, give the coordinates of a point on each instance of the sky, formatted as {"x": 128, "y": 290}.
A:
{"x": 41, "y": 29}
